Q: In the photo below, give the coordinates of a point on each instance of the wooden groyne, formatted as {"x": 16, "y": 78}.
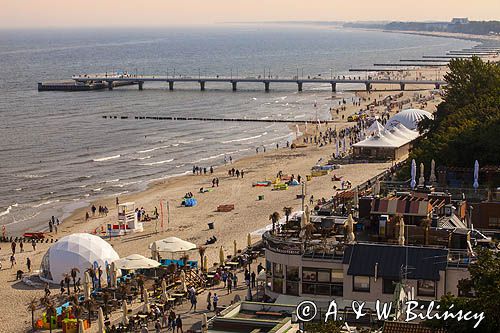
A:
{"x": 290, "y": 121}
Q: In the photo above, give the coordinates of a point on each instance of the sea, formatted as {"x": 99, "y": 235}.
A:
{"x": 58, "y": 153}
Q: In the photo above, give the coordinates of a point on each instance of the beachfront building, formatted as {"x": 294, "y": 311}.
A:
{"x": 321, "y": 259}
{"x": 253, "y": 317}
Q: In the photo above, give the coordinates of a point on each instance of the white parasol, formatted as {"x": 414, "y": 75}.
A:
{"x": 413, "y": 172}
{"x": 421, "y": 179}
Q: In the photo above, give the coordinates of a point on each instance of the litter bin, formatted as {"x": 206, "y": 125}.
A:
{"x": 210, "y": 225}
{"x": 261, "y": 197}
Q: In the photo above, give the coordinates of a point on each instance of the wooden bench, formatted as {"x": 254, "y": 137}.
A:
{"x": 225, "y": 208}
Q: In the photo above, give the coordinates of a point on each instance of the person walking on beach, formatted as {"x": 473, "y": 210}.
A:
{"x": 93, "y": 210}
{"x": 217, "y": 181}
{"x": 230, "y": 160}
{"x": 12, "y": 260}
{"x": 242, "y": 172}
{"x": 33, "y": 245}
{"x": 13, "y": 247}
{"x": 21, "y": 245}
{"x": 252, "y": 277}
{"x": 87, "y": 216}
{"x": 28, "y": 264}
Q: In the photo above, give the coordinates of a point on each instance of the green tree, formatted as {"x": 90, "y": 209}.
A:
{"x": 466, "y": 124}
{"x": 484, "y": 282}
{"x": 320, "y": 327}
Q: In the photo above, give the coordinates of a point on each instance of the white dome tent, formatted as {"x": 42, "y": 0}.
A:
{"x": 81, "y": 251}
{"x": 409, "y": 118}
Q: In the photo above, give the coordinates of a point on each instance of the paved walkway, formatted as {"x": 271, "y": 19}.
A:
{"x": 192, "y": 319}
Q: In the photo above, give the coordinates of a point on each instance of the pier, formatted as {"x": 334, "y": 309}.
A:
{"x": 140, "y": 80}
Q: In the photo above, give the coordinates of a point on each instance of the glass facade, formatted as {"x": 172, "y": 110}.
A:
{"x": 361, "y": 283}
{"x": 320, "y": 281}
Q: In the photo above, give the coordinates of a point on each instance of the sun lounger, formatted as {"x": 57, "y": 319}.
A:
{"x": 225, "y": 208}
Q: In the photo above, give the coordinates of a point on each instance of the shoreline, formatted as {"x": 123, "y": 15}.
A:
{"x": 190, "y": 223}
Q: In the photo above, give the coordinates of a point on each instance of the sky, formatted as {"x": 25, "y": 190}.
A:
{"x": 149, "y": 13}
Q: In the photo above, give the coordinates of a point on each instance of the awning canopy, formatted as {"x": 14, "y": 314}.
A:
{"x": 172, "y": 245}
{"x": 135, "y": 261}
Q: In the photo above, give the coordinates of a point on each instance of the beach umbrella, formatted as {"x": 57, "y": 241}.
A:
{"x": 413, "y": 174}
{"x": 87, "y": 285}
{"x": 100, "y": 322}
{"x": 235, "y": 248}
{"x": 421, "y": 179}
{"x": 80, "y": 326}
{"x": 221, "y": 256}
{"x": 376, "y": 187}
{"x": 476, "y": 175}
{"x": 204, "y": 323}
{"x": 114, "y": 275}
{"x": 432, "y": 178}
{"x": 249, "y": 240}
{"x": 146, "y": 308}
{"x": 135, "y": 261}
{"x": 125, "y": 312}
{"x": 350, "y": 229}
{"x": 401, "y": 238}
{"x": 356, "y": 197}
{"x": 164, "y": 289}
{"x": 183, "y": 281}
{"x": 305, "y": 218}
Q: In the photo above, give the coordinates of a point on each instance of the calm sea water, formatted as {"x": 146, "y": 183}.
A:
{"x": 57, "y": 153}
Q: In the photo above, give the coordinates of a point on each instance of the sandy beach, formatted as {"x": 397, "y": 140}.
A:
{"x": 190, "y": 223}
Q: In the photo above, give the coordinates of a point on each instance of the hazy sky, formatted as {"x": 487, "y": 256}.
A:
{"x": 55, "y": 13}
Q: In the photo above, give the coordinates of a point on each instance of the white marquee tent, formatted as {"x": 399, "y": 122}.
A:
{"x": 81, "y": 251}
{"x": 170, "y": 246}
{"x": 409, "y": 118}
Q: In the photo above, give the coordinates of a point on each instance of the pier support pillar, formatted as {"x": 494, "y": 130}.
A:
{"x": 368, "y": 86}
{"x": 266, "y": 86}
{"x": 170, "y": 85}
{"x": 110, "y": 85}
{"x": 402, "y": 86}
{"x": 437, "y": 86}
{"x": 234, "y": 85}
{"x": 299, "y": 84}
{"x": 334, "y": 86}
{"x": 202, "y": 85}
{"x": 140, "y": 83}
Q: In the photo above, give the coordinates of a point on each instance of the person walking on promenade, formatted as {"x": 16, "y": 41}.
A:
{"x": 215, "y": 302}
{"x": 28, "y": 264}
{"x": 178, "y": 323}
